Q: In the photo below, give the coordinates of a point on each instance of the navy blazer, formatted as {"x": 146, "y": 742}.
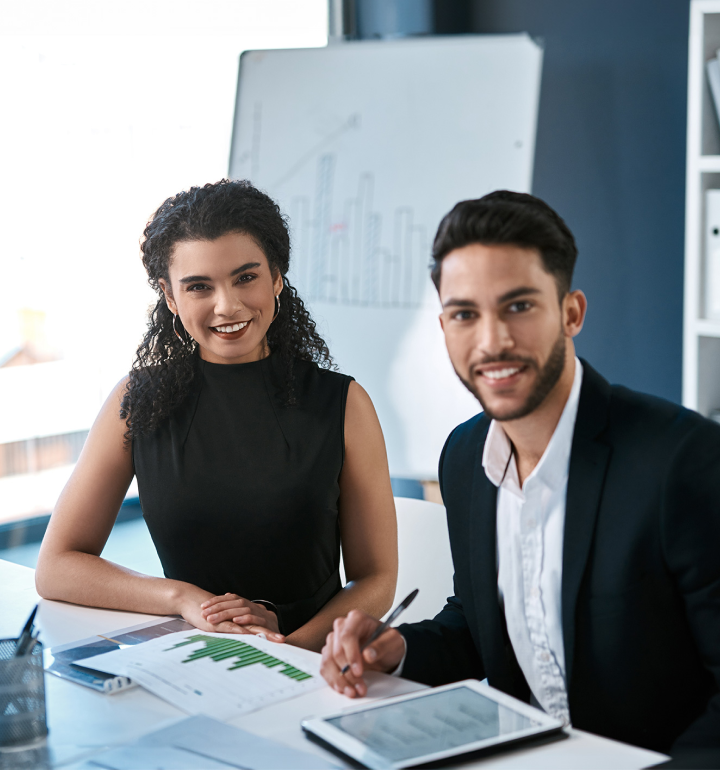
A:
{"x": 640, "y": 579}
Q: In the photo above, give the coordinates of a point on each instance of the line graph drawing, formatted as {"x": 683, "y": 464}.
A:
{"x": 345, "y": 249}
{"x": 353, "y": 122}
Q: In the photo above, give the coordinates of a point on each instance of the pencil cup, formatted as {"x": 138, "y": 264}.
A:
{"x": 22, "y": 696}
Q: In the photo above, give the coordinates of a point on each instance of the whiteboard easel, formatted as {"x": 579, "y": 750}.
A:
{"x": 365, "y": 146}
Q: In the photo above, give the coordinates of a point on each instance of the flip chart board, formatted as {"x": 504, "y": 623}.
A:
{"x": 365, "y": 146}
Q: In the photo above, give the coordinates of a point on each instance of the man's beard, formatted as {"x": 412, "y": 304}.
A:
{"x": 547, "y": 378}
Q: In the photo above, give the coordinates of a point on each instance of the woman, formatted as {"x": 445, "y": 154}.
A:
{"x": 253, "y": 460}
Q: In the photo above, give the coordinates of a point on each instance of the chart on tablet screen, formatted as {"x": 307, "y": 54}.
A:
{"x": 215, "y": 674}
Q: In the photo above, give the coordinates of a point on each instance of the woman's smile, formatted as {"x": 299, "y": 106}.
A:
{"x": 226, "y": 296}
{"x": 230, "y": 331}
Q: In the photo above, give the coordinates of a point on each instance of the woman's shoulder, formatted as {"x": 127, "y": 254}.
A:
{"x": 315, "y": 375}
{"x": 317, "y": 388}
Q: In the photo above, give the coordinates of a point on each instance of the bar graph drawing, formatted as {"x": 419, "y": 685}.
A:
{"x": 349, "y": 253}
{"x": 347, "y": 250}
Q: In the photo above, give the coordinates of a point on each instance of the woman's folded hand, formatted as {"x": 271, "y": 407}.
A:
{"x": 246, "y": 616}
{"x": 189, "y": 606}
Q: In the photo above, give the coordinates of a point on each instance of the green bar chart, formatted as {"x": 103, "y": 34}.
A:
{"x": 221, "y": 649}
{"x": 221, "y": 675}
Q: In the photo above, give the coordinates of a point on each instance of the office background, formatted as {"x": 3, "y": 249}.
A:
{"x": 610, "y": 156}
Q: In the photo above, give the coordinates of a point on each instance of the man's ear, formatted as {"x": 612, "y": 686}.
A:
{"x": 165, "y": 286}
{"x": 442, "y": 322}
{"x": 574, "y": 307}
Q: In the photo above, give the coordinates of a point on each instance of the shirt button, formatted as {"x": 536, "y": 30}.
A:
{"x": 530, "y": 523}
{"x": 544, "y": 656}
{"x": 534, "y": 593}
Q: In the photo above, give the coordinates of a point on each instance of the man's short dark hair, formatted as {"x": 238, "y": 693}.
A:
{"x": 505, "y": 217}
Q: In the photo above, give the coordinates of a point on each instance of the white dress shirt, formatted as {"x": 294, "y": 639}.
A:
{"x": 530, "y": 524}
{"x": 530, "y": 528}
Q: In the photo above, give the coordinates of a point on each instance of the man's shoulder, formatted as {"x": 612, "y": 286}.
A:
{"x": 463, "y": 448}
{"x": 468, "y": 434}
{"x": 635, "y": 416}
{"x": 632, "y": 406}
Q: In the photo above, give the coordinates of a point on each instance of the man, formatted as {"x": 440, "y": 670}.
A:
{"x": 584, "y": 518}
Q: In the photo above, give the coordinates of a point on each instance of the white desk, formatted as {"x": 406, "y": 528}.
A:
{"x": 79, "y": 717}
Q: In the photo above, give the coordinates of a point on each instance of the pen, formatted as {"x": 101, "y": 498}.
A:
{"x": 26, "y": 634}
{"x": 383, "y": 627}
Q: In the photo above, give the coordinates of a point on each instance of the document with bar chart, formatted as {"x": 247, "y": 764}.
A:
{"x": 220, "y": 675}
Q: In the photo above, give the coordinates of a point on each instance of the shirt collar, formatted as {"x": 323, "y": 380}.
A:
{"x": 499, "y": 462}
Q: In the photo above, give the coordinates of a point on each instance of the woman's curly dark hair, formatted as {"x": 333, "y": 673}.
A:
{"x": 164, "y": 367}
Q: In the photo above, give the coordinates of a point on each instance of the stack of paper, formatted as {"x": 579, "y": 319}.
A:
{"x": 200, "y": 743}
{"x": 220, "y": 675}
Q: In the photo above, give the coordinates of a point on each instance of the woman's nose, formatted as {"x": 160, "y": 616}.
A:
{"x": 226, "y": 303}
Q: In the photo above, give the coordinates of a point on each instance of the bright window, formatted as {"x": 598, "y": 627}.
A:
{"x": 107, "y": 110}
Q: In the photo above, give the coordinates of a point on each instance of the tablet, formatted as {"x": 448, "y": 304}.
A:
{"x": 430, "y": 725}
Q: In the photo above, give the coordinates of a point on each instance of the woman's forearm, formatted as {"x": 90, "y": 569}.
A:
{"x": 372, "y": 594}
{"x": 82, "y": 578}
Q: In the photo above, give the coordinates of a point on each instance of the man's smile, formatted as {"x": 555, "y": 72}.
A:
{"x": 501, "y": 375}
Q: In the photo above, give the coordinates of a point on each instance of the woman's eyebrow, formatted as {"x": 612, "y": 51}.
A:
{"x": 241, "y": 269}
{"x": 246, "y": 266}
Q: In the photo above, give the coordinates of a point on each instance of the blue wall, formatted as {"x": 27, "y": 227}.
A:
{"x": 611, "y": 159}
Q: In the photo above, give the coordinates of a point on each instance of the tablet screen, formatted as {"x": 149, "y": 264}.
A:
{"x": 436, "y": 722}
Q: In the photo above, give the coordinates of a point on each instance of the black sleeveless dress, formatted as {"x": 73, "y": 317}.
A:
{"x": 240, "y": 492}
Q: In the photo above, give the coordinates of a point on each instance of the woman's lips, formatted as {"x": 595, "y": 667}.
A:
{"x": 230, "y": 331}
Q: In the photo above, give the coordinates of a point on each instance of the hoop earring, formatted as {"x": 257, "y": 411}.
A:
{"x": 277, "y": 307}
{"x": 177, "y": 334}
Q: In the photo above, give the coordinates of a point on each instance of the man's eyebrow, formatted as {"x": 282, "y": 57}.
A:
{"x": 453, "y": 302}
{"x": 241, "y": 269}
{"x": 521, "y": 291}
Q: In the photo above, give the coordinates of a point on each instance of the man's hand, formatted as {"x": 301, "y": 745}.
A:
{"x": 342, "y": 647}
{"x": 250, "y": 617}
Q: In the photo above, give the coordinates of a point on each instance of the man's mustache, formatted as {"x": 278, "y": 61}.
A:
{"x": 503, "y": 358}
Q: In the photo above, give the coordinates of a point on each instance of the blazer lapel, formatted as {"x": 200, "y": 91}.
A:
{"x": 588, "y": 465}
{"x": 500, "y": 664}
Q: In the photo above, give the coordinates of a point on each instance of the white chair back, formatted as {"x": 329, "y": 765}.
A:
{"x": 425, "y": 560}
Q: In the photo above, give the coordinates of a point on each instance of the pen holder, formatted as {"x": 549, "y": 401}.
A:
{"x": 22, "y": 695}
